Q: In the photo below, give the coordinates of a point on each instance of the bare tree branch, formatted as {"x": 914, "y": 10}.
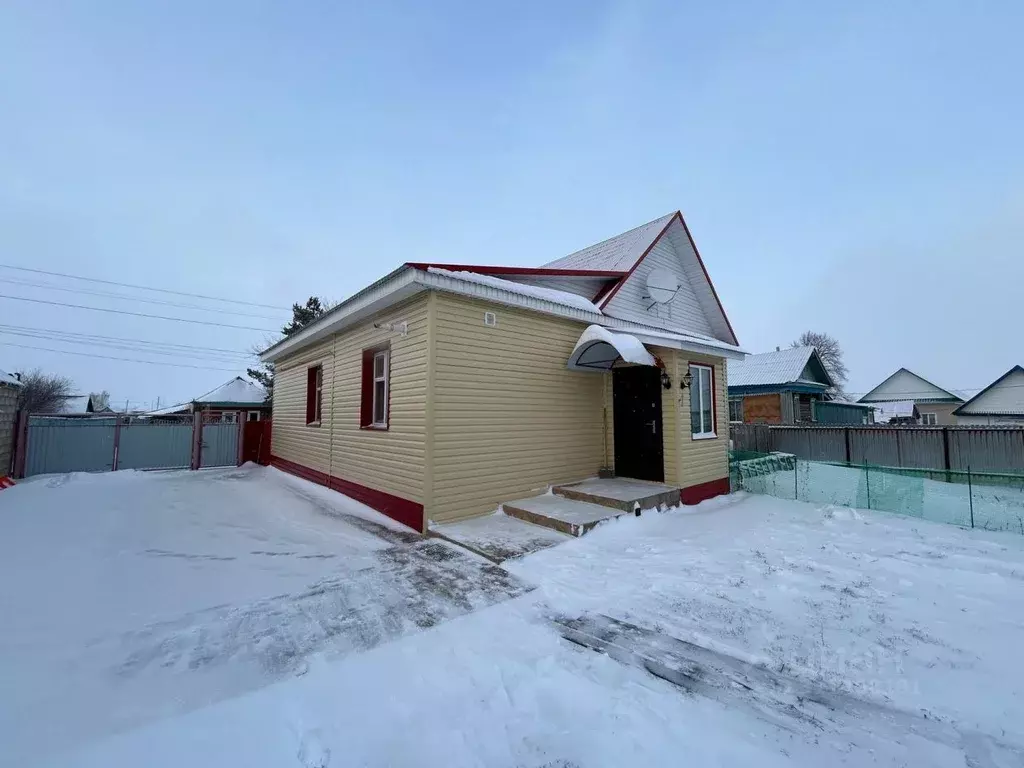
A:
{"x": 831, "y": 355}
{"x": 44, "y": 393}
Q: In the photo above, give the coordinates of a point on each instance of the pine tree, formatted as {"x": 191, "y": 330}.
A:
{"x": 302, "y": 315}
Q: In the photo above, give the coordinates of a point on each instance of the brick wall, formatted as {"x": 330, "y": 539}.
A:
{"x": 762, "y": 409}
{"x": 8, "y": 413}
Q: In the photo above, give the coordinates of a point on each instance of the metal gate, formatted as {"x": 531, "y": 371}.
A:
{"x": 219, "y": 442}
{"x": 56, "y": 444}
{"x": 155, "y": 444}
{"x": 59, "y": 443}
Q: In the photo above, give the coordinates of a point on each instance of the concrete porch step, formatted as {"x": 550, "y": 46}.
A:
{"x": 560, "y": 513}
{"x": 621, "y": 493}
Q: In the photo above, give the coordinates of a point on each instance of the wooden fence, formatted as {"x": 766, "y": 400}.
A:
{"x": 981, "y": 449}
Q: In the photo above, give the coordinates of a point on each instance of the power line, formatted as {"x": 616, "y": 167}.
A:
{"x": 111, "y": 295}
{"x": 169, "y": 344}
{"x": 123, "y": 359}
{"x": 144, "y": 287}
{"x": 137, "y": 314}
{"x": 199, "y": 354}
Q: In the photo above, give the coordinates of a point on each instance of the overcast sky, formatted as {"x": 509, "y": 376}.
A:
{"x": 856, "y": 169}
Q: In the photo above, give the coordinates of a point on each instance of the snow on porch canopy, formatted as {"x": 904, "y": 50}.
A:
{"x": 598, "y": 349}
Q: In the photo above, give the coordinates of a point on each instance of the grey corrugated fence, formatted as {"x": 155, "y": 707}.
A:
{"x": 982, "y": 449}
{"x": 60, "y": 443}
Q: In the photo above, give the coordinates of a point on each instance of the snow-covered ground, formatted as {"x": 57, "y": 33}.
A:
{"x": 749, "y": 630}
{"x": 132, "y": 596}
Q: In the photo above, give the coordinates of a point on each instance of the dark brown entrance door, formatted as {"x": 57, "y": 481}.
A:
{"x": 636, "y": 404}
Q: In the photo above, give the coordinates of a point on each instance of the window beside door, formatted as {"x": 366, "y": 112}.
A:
{"x": 702, "y": 402}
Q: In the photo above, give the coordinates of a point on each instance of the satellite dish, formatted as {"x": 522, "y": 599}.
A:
{"x": 662, "y": 286}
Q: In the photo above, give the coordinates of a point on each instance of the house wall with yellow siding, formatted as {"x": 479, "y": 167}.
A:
{"x": 509, "y": 417}
{"x": 702, "y": 461}
{"x": 504, "y": 415}
{"x": 392, "y": 460}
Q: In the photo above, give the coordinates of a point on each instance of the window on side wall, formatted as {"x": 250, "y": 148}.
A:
{"x": 702, "y": 402}
{"x": 253, "y": 416}
{"x": 736, "y": 409}
{"x": 928, "y": 419}
{"x": 375, "y": 409}
{"x": 314, "y": 394}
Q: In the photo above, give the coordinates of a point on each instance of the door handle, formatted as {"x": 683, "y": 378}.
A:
{"x": 654, "y": 426}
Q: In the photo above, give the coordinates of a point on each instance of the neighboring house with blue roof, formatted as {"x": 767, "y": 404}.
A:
{"x": 779, "y": 387}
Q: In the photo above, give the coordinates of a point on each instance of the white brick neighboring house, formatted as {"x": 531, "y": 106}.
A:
{"x": 1001, "y": 402}
{"x": 9, "y": 390}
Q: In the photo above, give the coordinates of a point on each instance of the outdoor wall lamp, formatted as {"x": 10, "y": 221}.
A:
{"x": 684, "y": 383}
{"x": 666, "y": 382}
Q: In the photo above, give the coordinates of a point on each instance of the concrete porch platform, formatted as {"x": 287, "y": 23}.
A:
{"x": 499, "y": 537}
{"x": 560, "y": 513}
{"x": 621, "y": 493}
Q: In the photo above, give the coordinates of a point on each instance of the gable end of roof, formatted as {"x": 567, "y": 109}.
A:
{"x": 961, "y": 408}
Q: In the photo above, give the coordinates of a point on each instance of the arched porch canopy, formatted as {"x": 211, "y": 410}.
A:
{"x": 598, "y": 349}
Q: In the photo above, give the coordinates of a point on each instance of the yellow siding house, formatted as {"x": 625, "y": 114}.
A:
{"x": 441, "y": 391}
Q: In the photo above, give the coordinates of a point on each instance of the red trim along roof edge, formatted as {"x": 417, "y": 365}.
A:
{"x": 608, "y": 297}
{"x": 622, "y": 281}
{"x": 707, "y": 277}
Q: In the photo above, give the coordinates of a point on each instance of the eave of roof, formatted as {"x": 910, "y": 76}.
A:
{"x": 407, "y": 281}
{"x": 953, "y": 397}
{"x": 494, "y": 270}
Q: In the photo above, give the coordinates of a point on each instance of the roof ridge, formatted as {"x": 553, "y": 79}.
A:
{"x": 916, "y": 375}
{"x": 621, "y": 236}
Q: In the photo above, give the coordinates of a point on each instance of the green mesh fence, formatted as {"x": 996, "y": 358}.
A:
{"x": 987, "y": 500}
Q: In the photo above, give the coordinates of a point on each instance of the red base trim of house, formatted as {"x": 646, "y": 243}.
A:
{"x": 402, "y": 510}
{"x": 695, "y": 494}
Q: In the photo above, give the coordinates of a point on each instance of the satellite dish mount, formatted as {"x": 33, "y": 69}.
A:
{"x": 662, "y": 287}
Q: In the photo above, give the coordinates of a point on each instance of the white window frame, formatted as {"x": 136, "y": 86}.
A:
{"x": 229, "y": 417}
{"x": 250, "y": 414}
{"x": 735, "y": 400}
{"x": 925, "y": 422}
{"x": 696, "y": 370}
{"x": 385, "y": 355}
